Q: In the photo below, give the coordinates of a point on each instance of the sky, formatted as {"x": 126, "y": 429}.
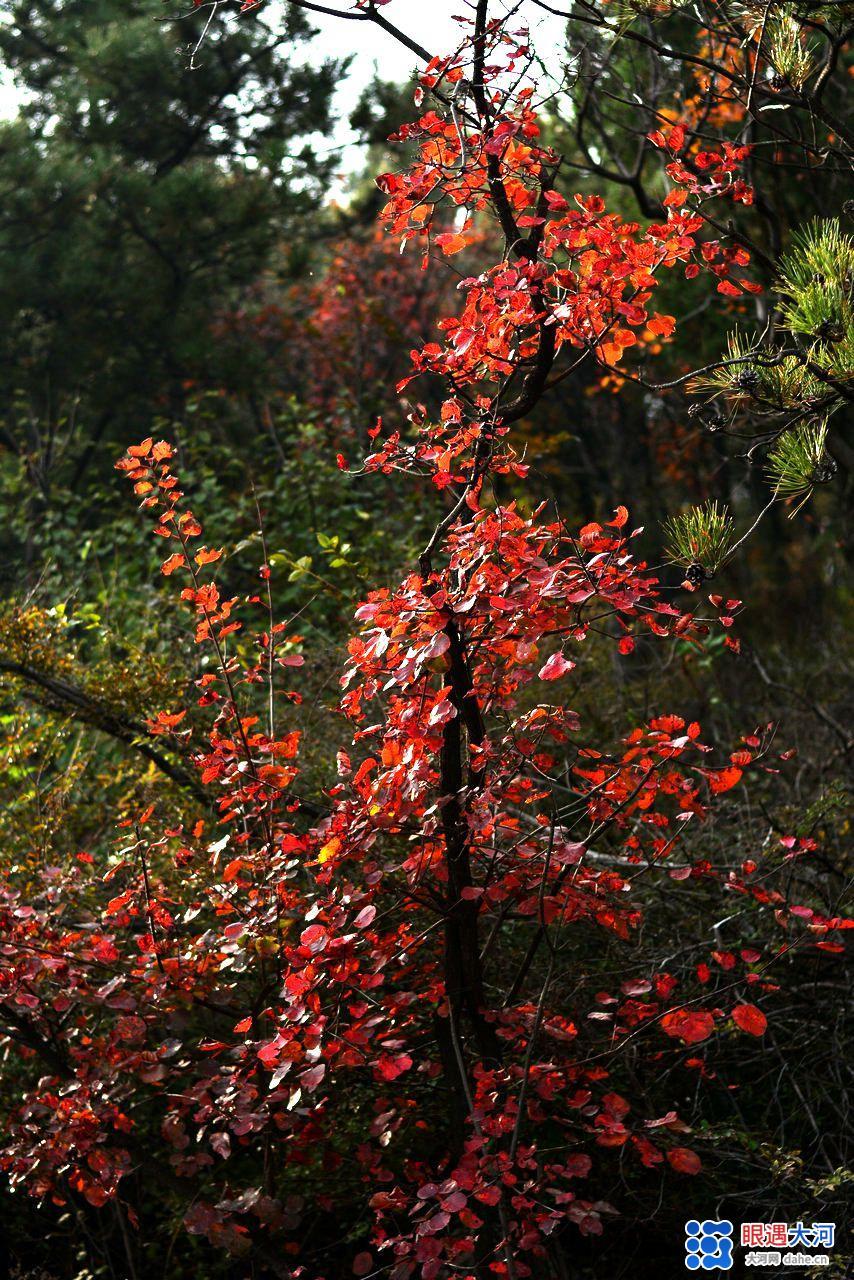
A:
{"x": 8, "y": 97}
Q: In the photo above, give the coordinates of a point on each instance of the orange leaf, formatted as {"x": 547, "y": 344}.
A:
{"x": 451, "y": 242}
{"x": 663, "y": 325}
{"x": 276, "y": 775}
{"x": 205, "y": 556}
{"x": 165, "y": 720}
{"x": 174, "y": 562}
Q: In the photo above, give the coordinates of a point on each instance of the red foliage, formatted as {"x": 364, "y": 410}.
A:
{"x": 243, "y": 981}
{"x": 341, "y": 340}
{"x": 750, "y": 1019}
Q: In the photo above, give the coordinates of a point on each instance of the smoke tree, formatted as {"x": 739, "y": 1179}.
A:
{"x": 375, "y": 992}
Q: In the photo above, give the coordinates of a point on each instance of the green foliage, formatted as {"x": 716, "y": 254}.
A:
{"x": 816, "y": 285}
{"x": 745, "y": 372}
{"x": 816, "y": 289}
{"x": 92, "y": 618}
{"x": 787, "y": 391}
{"x": 701, "y": 537}
{"x": 798, "y": 461}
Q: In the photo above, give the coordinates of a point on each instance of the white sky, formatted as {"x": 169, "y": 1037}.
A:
{"x": 8, "y": 98}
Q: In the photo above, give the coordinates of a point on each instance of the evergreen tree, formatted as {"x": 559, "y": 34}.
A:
{"x": 148, "y": 179}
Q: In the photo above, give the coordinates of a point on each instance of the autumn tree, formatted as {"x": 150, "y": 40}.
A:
{"x": 407, "y": 1025}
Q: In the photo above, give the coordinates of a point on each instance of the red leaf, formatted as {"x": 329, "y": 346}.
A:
{"x": 390, "y": 1068}
{"x": 312, "y": 1078}
{"x": 116, "y": 904}
{"x": 724, "y": 779}
{"x": 676, "y": 137}
{"x": 556, "y": 667}
{"x": 689, "y": 1026}
{"x": 221, "y": 1144}
{"x": 684, "y": 1160}
{"x": 750, "y": 1019}
{"x": 456, "y": 1201}
{"x": 636, "y": 987}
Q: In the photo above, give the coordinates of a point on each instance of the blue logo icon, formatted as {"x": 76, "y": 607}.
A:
{"x": 708, "y": 1245}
